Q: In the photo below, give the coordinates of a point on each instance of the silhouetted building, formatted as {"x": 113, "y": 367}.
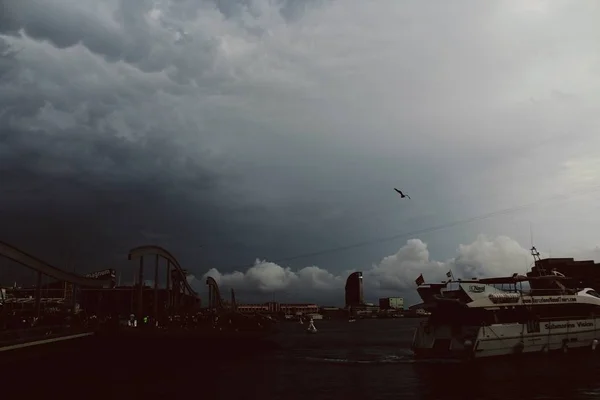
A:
{"x": 274, "y": 307}
{"x": 110, "y": 272}
{"x": 354, "y": 289}
{"x": 391, "y": 303}
{"x": 105, "y": 301}
{"x": 330, "y": 312}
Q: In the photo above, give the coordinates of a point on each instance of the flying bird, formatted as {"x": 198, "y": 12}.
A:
{"x": 402, "y": 195}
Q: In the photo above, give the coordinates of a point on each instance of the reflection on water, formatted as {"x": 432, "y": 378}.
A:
{"x": 376, "y": 355}
{"x": 368, "y": 359}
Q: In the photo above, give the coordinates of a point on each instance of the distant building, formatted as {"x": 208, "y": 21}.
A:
{"x": 333, "y": 312}
{"x": 105, "y": 273}
{"x": 391, "y": 303}
{"x": 104, "y": 301}
{"x": 366, "y": 309}
{"x": 354, "y": 290}
{"x": 274, "y": 307}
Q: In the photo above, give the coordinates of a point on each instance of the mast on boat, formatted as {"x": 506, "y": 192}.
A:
{"x": 534, "y": 252}
{"x": 536, "y": 260}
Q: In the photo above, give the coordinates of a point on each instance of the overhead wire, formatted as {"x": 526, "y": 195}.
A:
{"x": 562, "y": 196}
{"x": 378, "y": 212}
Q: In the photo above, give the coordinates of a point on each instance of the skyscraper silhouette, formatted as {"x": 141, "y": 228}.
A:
{"x": 354, "y": 289}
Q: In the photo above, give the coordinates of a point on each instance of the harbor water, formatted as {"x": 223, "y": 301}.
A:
{"x": 367, "y": 359}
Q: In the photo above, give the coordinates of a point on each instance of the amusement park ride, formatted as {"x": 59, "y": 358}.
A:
{"x": 97, "y": 296}
{"x": 230, "y": 314}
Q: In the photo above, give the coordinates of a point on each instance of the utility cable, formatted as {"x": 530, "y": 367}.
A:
{"x": 448, "y": 225}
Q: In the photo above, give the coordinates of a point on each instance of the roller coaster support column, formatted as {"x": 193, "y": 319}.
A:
{"x": 38, "y": 295}
{"x": 74, "y": 298}
{"x": 169, "y": 287}
{"x": 175, "y": 292}
{"x": 156, "y": 290}
{"x": 140, "y": 305}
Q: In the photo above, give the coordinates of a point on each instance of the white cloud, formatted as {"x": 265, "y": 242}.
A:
{"x": 394, "y": 274}
{"x": 583, "y": 170}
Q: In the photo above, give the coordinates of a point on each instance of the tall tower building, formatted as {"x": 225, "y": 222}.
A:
{"x": 354, "y": 289}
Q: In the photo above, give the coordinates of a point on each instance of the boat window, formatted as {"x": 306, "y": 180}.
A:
{"x": 511, "y": 315}
{"x": 593, "y": 293}
{"x": 461, "y": 316}
{"x": 524, "y": 286}
{"x": 574, "y": 310}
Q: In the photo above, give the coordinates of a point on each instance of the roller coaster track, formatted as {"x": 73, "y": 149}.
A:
{"x": 29, "y": 261}
{"x": 157, "y": 250}
{"x": 214, "y": 300}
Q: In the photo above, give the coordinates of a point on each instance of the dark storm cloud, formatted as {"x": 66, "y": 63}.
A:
{"x": 272, "y": 128}
{"x": 97, "y": 186}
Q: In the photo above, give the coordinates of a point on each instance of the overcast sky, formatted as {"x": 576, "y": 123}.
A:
{"x": 237, "y": 130}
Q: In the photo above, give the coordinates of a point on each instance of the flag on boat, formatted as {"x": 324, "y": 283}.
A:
{"x": 420, "y": 280}
{"x": 449, "y": 274}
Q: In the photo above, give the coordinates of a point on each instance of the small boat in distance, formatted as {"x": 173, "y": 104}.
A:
{"x": 496, "y": 317}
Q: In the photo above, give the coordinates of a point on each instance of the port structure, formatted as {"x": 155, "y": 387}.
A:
{"x": 180, "y": 294}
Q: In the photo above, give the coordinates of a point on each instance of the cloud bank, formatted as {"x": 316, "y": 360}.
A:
{"x": 393, "y": 275}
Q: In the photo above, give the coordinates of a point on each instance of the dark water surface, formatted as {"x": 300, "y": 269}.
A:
{"x": 368, "y": 359}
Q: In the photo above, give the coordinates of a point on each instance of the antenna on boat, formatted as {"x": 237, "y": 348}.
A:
{"x": 531, "y": 234}
{"x": 536, "y": 258}
{"x": 534, "y": 252}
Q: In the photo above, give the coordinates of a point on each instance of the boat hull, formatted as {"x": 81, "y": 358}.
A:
{"x": 468, "y": 342}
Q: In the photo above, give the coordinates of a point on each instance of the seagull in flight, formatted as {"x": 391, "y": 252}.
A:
{"x": 402, "y": 195}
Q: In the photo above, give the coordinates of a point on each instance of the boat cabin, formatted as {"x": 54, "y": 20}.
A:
{"x": 506, "y": 300}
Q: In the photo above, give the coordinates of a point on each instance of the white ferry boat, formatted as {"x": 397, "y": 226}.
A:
{"x": 496, "y": 317}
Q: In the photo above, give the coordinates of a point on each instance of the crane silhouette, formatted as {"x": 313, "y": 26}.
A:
{"x": 402, "y": 195}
